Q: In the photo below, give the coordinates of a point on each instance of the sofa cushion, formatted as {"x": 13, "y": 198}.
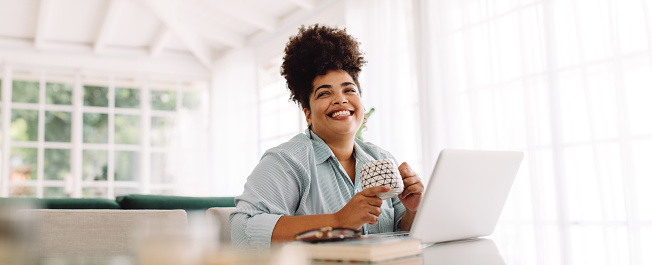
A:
{"x": 162, "y": 202}
{"x": 84, "y": 203}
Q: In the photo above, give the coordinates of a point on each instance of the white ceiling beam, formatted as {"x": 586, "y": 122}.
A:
{"x": 305, "y": 4}
{"x": 240, "y": 12}
{"x": 42, "y": 23}
{"x": 203, "y": 25}
{"x": 110, "y": 19}
{"x": 292, "y": 21}
{"x": 187, "y": 67}
{"x": 162, "y": 38}
{"x": 167, "y": 12}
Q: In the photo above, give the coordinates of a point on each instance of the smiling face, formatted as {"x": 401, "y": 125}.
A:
{"x": 336, "y": 108}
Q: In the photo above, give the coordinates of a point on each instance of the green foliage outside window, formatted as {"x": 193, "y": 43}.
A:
{"x": 127, "y": 129}
{"x": 94, "y": 192}
{"x": 25, "y": 92}
{"x": 55, "y": 192}
{"x": 96, "y": 96}
{"x": 96, "y": 128}
{"x": 164, "y": 100}
{"x": 127, "y": 98}
{"x": 58, "y": 126}
{"x": 56, "y": 164}
{"x": 24, "y": 125}
{"x": 58, "y": 93}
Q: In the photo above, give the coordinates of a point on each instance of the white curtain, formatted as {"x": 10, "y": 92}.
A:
{"x": 568, "y": 82}
{"x": 388, "y": 81}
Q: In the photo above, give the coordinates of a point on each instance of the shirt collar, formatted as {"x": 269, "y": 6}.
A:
{"x": 322, "y": 151}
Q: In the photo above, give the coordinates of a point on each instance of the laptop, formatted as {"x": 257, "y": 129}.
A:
{"x": 465, "y": 195}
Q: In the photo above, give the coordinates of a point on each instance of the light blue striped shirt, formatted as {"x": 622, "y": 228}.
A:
{"x": 303, "y": 177}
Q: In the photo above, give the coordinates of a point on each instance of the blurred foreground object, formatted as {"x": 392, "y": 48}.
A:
{"x": 16, "y": 235}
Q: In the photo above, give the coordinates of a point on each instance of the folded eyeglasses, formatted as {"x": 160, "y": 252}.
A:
{"x": 327, "y": 234}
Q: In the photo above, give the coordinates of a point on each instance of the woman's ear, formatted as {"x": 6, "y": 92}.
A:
{"x": 306, "y": 112}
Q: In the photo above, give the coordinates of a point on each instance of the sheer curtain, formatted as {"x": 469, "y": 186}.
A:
{"x": 388, "y": 81}
{"x": 568, "y": 82}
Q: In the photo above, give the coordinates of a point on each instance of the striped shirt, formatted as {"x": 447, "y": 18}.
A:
{"x": 303, "y": 177}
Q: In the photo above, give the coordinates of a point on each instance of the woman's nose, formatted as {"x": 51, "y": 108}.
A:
{"x": 340, "y": 100}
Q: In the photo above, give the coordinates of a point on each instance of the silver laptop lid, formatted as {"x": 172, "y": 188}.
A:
{"x": 465, "y": 195}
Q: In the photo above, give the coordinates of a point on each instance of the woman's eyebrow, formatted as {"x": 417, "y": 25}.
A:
{"x": 322, "y": 86}
{"x": 347, "y": 84}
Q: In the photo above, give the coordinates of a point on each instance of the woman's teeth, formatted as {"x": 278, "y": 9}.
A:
{"x": 341, "y": 113}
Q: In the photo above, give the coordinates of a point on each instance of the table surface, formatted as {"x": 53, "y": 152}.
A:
{"x": 493, "y": 250}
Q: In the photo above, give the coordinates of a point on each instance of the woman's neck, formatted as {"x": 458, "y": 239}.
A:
{"x": 343, "y": 150}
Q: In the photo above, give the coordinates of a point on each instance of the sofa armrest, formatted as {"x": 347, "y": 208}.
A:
{"x": 217, "y": 219}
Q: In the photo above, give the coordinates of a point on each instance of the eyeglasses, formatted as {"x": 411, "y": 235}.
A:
{"x": 327, "y": 234}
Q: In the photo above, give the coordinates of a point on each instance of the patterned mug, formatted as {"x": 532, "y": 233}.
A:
{"x": 382, "y": 172}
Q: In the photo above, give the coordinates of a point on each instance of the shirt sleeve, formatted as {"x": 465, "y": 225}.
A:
{"x": 272, "y": 190}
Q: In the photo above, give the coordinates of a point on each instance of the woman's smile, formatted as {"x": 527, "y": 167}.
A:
{"x": 341, "y": 114}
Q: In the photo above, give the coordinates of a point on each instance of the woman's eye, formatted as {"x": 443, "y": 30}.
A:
{"x": 350, "y": 90}
{"x": 322, "y": 94}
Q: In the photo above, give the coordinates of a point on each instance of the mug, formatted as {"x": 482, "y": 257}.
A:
{"x": 382, "y": 172}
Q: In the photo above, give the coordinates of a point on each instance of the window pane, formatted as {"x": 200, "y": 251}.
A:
{"x": 56, "y": 164}
{"x": 96, "y": 128}
{"x": 22, "y": 191}
{"x": 163, "y": 191}
{"x": 25, "y": 91}
{"x": 58, "y": 93}
{"x": 55, "y": 192}
{"x": 24, "y": 125}
{"x": 127, "y": 129}
{"x": 193, "y": 100}
{"x": 96, "y": 96}
{"x": 127, "y": 98}
{"x": 162, "y": 130}
{"x": 57, "y": 126}
{"x": 94, "y": 166}
{"x": 125, "y": 191}
{"x": 164, "y": 100}
{"x": 127, "y": 165}
{"x": 159, "y": 169}
{"x": 23, "y": 164}
{"x": 94, "y": 192}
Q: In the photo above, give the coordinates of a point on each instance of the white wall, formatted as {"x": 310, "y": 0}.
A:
{"x": 235, "y": 97}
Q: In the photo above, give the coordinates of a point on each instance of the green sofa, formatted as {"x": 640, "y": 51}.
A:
{"x": 126, "y": 202}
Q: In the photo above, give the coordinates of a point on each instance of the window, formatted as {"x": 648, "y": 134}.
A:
{"x": 100, "y": 135}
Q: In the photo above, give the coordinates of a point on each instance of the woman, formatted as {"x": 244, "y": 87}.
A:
{"x": 312, "y": 181}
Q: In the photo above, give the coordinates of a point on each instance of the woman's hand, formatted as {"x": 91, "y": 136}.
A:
{"x": 363, "y": 208}
{"x": 411, "y": 196}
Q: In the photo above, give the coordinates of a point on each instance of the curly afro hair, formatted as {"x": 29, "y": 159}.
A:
{"x": 314, "y": 51}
